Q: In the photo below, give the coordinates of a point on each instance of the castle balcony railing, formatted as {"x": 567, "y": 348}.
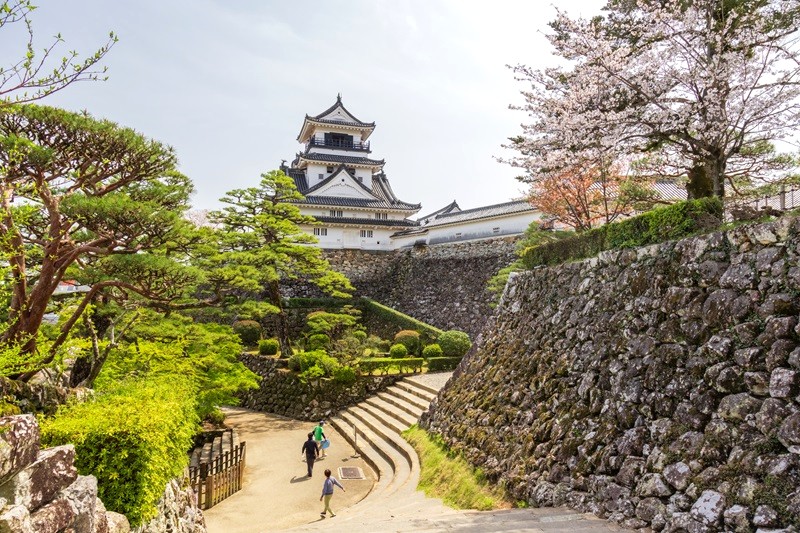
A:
{"x": 360, "y": 146}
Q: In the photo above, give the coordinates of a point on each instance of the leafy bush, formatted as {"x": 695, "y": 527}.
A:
{"x": 344, "y": 375}
{"x": 133, "y": 439}
{"x": 318, "y": 341}
{"x": 312, "y": 373}
{"x": 334, "y": 325}
{"x": 302, "y": 361}
{"x": 248, "y": 330}
{"x": 268, "y": 347}
{"x": 441, "y": 364}
{"x": 397, "y": 351}
{"x": 454, "y": 343}
{"x": 360, "y": 335}
{"x": 432, "y": 350}
{"x": 387, "y": 366}
{"x": 410, "y": 339}
{"x": 667, "y": 223}
{"x": 206, "y": 353}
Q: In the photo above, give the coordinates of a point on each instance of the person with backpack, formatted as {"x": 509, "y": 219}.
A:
{"x": 319, "y": 436}
{"x": 327, "y": 492}
{"x": 311, "y": 450}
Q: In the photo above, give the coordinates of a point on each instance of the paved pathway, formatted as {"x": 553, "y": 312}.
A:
{"x": 277, "y": 496}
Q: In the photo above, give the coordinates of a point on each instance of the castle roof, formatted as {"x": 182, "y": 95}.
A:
{"x": 451, "y": 214}
{"x": 338, "y": 159}
{"x": 336, "y": 115}
{"x": 381, "y": 195}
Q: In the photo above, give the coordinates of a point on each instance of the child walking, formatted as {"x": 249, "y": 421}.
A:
{"x": 327, "y": 492}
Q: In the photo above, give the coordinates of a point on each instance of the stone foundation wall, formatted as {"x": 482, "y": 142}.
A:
{"x": 657, "y": 387}
{"x": 282, "y": 393}
{"x": 443, "y": 285}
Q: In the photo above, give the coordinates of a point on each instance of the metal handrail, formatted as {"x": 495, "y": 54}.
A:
{"x": 349, "y": 145}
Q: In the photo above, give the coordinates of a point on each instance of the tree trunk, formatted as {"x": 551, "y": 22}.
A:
{"x": 700, "y": 184}
{"x": 283, "y": 322}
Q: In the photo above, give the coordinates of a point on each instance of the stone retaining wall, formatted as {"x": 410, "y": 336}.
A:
{"x": 443, "y": 285}
{"x": 282, "y": 393}
{"x": 657, "y": 387}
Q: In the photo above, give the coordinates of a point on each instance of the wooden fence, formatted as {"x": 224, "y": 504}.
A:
{"x": 222, "y": 477}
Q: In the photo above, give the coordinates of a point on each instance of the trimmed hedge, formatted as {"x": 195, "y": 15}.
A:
{"x": 385, "y": 366}
{"x": 401, "y": 320}
{"x": 432, "y": 350}
{"x": 133, "y": 438}
{"x": 398, "y": 351}
{"x": 437, "y": 364}
{"x": 454, "y": 343}
{"x": 410, "y": 339}
{"x": 268, "y": 347}
{"x": 667, "y": 223}
{"x": 249, "y": 331}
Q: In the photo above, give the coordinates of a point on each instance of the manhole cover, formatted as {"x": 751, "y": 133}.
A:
{"x": 350, "y": 472}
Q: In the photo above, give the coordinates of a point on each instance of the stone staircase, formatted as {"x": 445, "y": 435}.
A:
{"x": 373, "y": 429}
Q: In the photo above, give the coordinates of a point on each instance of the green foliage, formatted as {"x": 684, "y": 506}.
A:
{"x": 534, "y": 236}
{"x": 334, "y": 325}
{"x": 454, "y": 343}
{"x": 400, "y": 320}
{"x": 360, "y": 335}
{"x": 268, "y": 347}
{"x": 432, "y": 350}
{"x": 676, "y": 221}
{"x": 319, "y": 341}
{"x": 446, "y": 475}
{"x": 249, "y": 331}
{"x": 318, "y": 364}
{"x": 397, "y": 351}
{"x": 205, "y": 353}
{"x": 442, "y": 364}
{"x": 344, "y": 375}
{"x": 133, "y": 438}
{"x": 387, "y": 366}
{"x": 410, "y": 339}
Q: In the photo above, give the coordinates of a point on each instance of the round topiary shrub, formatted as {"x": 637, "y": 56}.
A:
{"x": 408, "y": 338}
{"x": 360, "y": 335}
{"x": 398, "y": 351}
{"x": 454, "y": 343}
{"x": 268, "y": 347}
{"x": 318, "y": 341}
{"x": 432, "y": 350}
{"x": 249, "y": 331}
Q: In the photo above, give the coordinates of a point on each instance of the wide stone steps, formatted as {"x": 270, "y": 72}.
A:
{"x": 373, "y": 429}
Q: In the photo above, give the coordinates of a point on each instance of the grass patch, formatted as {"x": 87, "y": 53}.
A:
{"x": 448, "y": 476}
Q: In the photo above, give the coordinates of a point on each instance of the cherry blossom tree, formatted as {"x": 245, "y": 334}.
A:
{"x": 702, "y": 87}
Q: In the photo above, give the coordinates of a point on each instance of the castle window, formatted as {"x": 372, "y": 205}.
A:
{"x": 366, "y": 233}
{"x": 458, "y": 234}
{"x": 495, "y": 230}
{"x": 321, "y": 232}
{"x": 321, "y": 176}
{"x": 381, "y": 216}
{"x": 329, "y": 170}
{"x": 335, "y": 213}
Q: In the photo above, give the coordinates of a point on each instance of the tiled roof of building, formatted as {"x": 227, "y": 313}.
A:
{"x": 670, "y": 190}
{"x": 381, "y": 190}
{"x": 449, "y": 208}
{"x": 365, "y": 221}
{"x": 489, "y": 211}
{"x": 339, "y": 159}
{"x": 338, "y": 103}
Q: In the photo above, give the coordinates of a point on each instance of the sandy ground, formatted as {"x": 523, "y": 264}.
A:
{"x": 277, "y": 494}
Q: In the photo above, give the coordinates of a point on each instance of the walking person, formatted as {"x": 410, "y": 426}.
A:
{"x": 319, "y": 436}
{"x": 311, "y": 450}
{"x": 327, "y": 492}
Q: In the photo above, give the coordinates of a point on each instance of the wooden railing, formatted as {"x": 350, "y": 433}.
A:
{"x": 219, "y": 479}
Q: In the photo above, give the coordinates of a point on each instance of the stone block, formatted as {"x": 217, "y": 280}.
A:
{"x": 82, "y": 496}
{"x": 53, "y": 517}
{"x": 709, "y": 508}
{"x": 784, "y": 383}
{"x": 117, "y": 523}
{"x": 677, "y": 475}
{"x": 736, "y": 407}
{"x": 16, "y": 519}
{"x": 40, "y": 481}
{"x": 19, "y": 443}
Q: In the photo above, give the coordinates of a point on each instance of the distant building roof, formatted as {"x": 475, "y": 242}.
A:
{"x": 366, "y": 221}
{"x": 451, "y": 214}
{"x": 344, "y": 119}
{"x": 338, "y": 103}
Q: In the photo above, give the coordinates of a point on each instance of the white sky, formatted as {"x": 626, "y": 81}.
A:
{"x": 227, "y": 83}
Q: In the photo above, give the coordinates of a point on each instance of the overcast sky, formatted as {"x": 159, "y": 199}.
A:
{"x": 227, "y": 83}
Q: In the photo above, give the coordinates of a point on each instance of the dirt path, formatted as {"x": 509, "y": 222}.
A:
{"x": 277, "y": 494}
